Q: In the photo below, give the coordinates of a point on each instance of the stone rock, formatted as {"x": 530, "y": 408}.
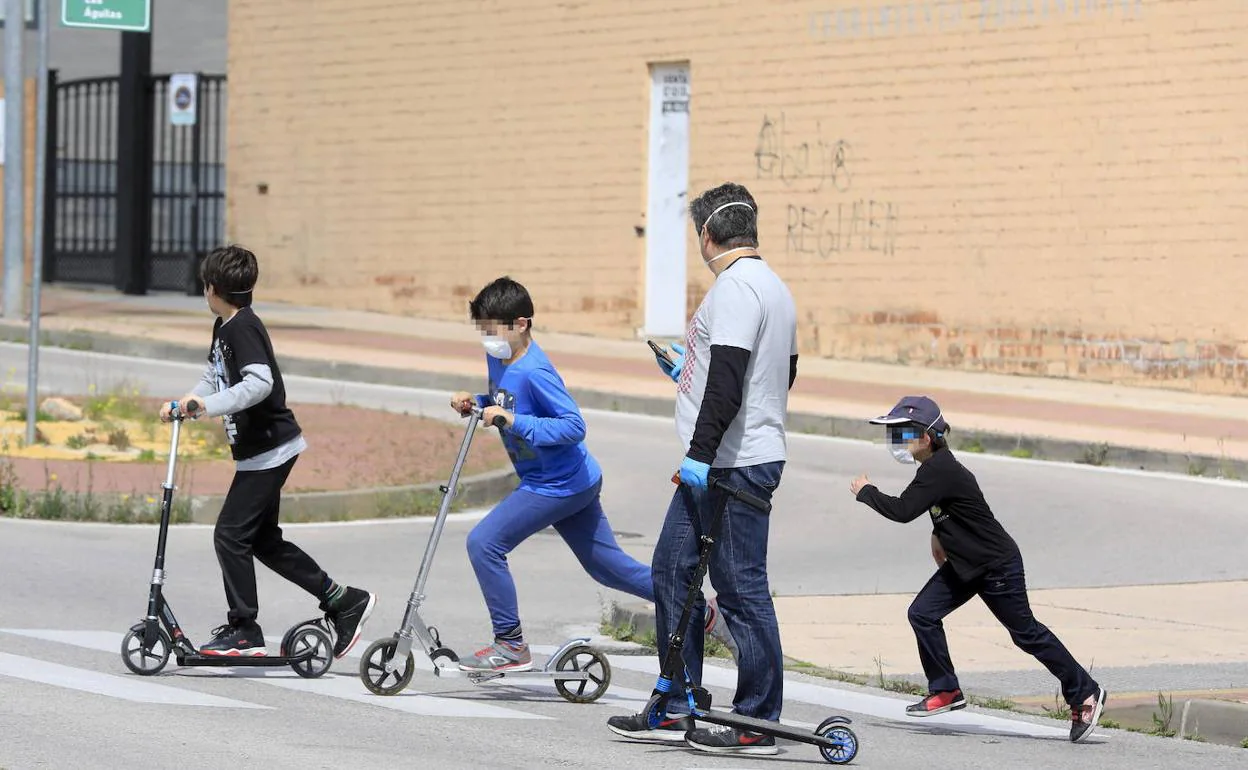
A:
{"x": 61, "y": 409}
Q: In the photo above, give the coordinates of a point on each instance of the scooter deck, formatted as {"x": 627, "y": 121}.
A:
{"x": 774, "y": 729}
{"x": 447, "y": 672}
{"x": 232, "y": 661}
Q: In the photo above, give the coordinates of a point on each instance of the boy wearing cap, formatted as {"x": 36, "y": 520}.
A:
{"x": 975, "y": 557}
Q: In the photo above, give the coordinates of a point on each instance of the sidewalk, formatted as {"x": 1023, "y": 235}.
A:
{"x": 1057, "y": 419}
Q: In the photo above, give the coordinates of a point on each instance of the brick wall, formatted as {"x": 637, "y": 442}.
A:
{"x": 1038, "y": 186}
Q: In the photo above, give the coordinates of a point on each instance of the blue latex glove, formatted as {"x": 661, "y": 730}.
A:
{"x": 693, "y": 474}
{"x": 673, "y": 371}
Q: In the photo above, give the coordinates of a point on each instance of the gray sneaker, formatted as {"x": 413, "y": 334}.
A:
{"x": 500, "y": 656}
{"x": 717, "y": 627}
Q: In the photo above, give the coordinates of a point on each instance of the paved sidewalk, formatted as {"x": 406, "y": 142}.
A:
{"x": 1153, "y": 428}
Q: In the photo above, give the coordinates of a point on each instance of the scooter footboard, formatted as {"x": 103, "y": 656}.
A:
{"x": 764, "y": 726}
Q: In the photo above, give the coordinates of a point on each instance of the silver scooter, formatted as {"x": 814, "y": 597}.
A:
{"x": 581, "y": 673}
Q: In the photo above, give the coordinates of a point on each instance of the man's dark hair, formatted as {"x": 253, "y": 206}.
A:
{"x": 232, "y": 272}
{"x": 502, "y": 300}
{"x": 732, "y": 227}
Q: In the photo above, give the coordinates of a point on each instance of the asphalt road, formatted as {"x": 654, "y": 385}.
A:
{"x": 69, "y": 591}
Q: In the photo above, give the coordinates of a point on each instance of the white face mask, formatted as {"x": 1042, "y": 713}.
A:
{"x": 497, "y": 347}
{"x": 901, "y": 453}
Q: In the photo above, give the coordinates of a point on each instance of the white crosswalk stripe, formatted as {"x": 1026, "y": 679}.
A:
{"x": 125, "y": 688}
{"x": 342, "y": 681}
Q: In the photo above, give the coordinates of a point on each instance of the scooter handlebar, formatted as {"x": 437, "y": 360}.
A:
{"x": 499, "y": 421}
{"x": 750, "y": 499}
{"x": 181, "y": 411}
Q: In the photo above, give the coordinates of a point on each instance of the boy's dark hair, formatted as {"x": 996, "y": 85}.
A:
{"x": 502, "y": 300}
{"x": 939, "y": 440}
{"x": 232, "y": 272}
{"x": 732, "y": 227}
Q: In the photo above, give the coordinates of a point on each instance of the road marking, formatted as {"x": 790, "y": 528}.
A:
{"x": 867, "y": 704}
{"x": 83, "y": 680}
{"x": 343, "y": 683}
{"x": 347, "y": 687}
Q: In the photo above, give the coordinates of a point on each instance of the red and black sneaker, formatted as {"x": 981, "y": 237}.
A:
{"x": 671, "y": 728}
{"x": 722, "y": 739}
{"x": 937, "y": 703}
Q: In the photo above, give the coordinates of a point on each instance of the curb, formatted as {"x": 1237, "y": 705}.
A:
{"x": 1038, "y": 448}
{"x": 417, "y": 500}
{"x": 375, "y": 503}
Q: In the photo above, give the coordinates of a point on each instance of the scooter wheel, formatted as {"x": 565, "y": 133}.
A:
{"x": 373, "y": 671}
{"x": 594, "y": 663}
{"x": 305, "y": 639}
{"x": 145, "y": 663}
{"x": 834, "y": 729}
{"x": 289, "y": 639}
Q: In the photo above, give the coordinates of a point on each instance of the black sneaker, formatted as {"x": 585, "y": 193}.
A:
{"x": 723, "y": 739}
{"x": 348, "y": 618}
{"x": 671, "y": 728}
{"x": 937, "y": 703}
{"x": 1084, "y": 718}
{"x": 236, "y": 639}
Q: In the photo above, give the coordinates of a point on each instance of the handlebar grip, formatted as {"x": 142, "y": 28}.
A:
{"x": 499, "y": 421}
{"x": 752, "y": 500}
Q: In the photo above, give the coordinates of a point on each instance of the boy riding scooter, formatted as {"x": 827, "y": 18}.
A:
{"x": 560, "y": 481}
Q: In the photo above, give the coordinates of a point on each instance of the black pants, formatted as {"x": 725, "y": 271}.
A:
{"x": 1004, "y": 591}
{"x": 248, "y": 527}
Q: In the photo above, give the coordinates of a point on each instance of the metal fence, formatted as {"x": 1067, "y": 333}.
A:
{"x": 187, "y": 191}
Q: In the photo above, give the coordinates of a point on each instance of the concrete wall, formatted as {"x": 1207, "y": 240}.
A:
{"x": 1054, "y": 187}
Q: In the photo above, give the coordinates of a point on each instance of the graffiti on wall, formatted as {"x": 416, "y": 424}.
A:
{"x": 824, "y": 216}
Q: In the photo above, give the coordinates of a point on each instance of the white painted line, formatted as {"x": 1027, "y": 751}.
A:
{"x": 475, "y": 514}
{"x": 847, "y": 700}
{"x": 341, "y": 682}
{"x": 111, "y": 686}
{"x": 347, "y": 687}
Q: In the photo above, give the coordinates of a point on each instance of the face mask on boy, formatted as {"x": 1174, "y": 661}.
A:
{"x": 497, "y": 347}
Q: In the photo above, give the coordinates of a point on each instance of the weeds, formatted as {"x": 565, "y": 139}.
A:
{"x": 119, "y": 439}
{"x": 55, "y": 503}
{"x": 1244, "y": 744}
{"x": 1095, "y": 454}
{"x": 79, "y": 441}
{"x": 1161, "y": 723}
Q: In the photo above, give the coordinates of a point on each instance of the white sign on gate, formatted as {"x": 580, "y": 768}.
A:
{"x": 183, "y": 94}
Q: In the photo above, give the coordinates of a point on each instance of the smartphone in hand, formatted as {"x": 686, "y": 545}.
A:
{"x": 661, "y": 354}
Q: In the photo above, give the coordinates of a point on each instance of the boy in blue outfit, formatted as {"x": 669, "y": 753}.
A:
{"x": 560, "y": 481}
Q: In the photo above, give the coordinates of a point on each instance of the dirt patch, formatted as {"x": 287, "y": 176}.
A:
{"x": 348, "y": 448}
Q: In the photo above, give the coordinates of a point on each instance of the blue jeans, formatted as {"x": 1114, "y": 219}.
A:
{"x": 578, "y": 519}
{"x": 738, "y": 572}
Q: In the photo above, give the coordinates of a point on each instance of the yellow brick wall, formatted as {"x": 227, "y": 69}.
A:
{"x": 1042, "y": 186}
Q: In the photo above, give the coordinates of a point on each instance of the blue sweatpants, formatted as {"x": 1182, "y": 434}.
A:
{"x": 578, "y": 519}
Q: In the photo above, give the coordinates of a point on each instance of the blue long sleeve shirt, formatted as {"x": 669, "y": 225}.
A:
{"x": 546, "y": 441}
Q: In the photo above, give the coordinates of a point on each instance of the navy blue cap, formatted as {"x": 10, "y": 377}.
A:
{"x": 919, "y": 410}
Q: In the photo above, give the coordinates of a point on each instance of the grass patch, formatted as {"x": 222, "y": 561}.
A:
{"x": 55, "y": 503}
{"x": 1022, "y": 452}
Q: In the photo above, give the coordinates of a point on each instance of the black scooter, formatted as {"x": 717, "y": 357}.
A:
{"x": 307, "y": 647}
{"x": 837, "y": 743}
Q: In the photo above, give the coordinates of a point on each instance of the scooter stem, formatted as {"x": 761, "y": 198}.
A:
{"x": 448, "y": 492}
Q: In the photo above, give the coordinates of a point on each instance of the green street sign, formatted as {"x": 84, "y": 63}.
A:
{"x": 125, "y": 15}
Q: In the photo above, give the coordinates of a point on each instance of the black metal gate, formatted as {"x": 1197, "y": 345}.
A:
{"x": 187, "y": 190}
